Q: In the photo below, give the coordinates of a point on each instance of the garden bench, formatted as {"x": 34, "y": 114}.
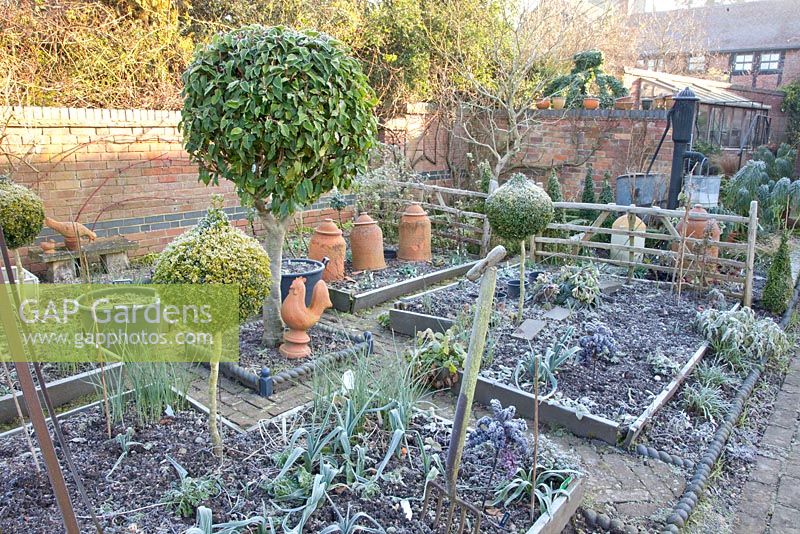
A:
{"x": 112, "y": 253}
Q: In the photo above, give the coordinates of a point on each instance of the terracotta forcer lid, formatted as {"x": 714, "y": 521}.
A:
{"x": 415, "y": 210}
{"x": 328, "y": 227}
{"x": 364, "y": 220}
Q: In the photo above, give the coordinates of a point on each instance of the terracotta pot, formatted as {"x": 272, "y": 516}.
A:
{"x": 623, "y": 104}
{"x": 543, "y": 104}
{"x": 591, "y": 102}
{"x": 415, "y": 235}
{"x": 558, "y": 102}
{"x": 48, "y": 247}
{"x": 366, "y": 243}
{"x": 327, "y": 241}
{"x": 700, "y": 229}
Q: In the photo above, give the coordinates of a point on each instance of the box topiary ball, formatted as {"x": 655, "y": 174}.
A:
{"x": 214, "y": 252}
{"x": 519, "y": 209}
{"x": 21, "y": 213}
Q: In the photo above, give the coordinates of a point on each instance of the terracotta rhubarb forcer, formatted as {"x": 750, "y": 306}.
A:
{"x": 415, "y": 235}
{"x": 366, "y": 243}
{"x": 299, "y": 318}
{"x": 72, "y": 232}
{"x": 327, "y": 241}
{"x": 697, "y": 228}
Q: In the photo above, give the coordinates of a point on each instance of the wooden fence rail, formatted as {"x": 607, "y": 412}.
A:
{"x": 687, "y": 259}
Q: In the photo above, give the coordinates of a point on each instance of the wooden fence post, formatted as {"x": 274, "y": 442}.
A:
{"x": 752, "y": 233}
{"x": 631, "y": 242}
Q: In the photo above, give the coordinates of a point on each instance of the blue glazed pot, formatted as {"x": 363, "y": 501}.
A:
{"x": 312, "y": 273}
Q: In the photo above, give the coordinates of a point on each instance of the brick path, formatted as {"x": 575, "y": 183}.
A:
{"x": 771, "y": 498}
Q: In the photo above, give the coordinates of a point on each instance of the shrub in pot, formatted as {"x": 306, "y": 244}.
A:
{"x": 286, "y": 116}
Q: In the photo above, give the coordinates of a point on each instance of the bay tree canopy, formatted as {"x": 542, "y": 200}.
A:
{"x": 286, "y": 115}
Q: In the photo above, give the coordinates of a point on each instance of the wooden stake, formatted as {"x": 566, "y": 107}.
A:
{"x": 521, "y": 281}
{"x": 472, "y": 366}
{"x": 752, "y": 234}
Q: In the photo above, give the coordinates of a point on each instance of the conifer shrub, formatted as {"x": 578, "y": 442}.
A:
{"x": 778, "y": 291}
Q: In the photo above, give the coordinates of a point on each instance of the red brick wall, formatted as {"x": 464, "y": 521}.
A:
{"x": 620, "y": 142}
{"x": 124, "y": 170}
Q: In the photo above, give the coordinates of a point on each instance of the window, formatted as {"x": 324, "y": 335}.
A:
{"x": 697, "y": 63}
{"x": 769, "y": 61}
{"x": 742, "y": 63}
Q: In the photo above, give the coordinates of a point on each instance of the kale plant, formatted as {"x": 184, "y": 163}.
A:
{"x": 599, "y": 343}
{"x": 504, "y": 433}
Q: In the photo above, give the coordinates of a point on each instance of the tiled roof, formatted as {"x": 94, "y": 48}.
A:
{"x": 745, "y": 26}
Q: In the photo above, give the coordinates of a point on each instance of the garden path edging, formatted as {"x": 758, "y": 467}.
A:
{"x": 267, "y": 384}
{"x": 697, "y": 485}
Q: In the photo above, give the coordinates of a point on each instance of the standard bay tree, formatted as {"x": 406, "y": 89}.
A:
{"x": 286, "y": 116}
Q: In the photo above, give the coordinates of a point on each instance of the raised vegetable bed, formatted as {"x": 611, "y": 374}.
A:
{"x": 613, "y": 401}
{"x": 370, "y": 288}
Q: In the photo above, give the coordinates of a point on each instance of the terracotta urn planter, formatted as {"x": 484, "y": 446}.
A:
{"x": 591, "y": 102}
{"x": 543, "y": 104}
{"x": 624, "y": 103}
{"x": 415, "y": 235}
{"x": 697, "y": 228}
{"x": 327, "y": 241}
{"x": 366, "y": 243}
{"x": 558, "y": 102}
{"x": 48, "y": 247}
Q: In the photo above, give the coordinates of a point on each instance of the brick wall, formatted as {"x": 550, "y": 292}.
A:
{"x": 122, "y": 172}
{"x": 616, "y": 141}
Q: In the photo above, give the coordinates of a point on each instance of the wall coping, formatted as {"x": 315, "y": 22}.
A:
{"x": 38, "y": 117}
{"x": 639, "y": 114}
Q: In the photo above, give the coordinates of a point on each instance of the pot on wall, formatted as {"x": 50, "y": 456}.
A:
{"x": 647, "y": 104}
{"x": 591, "y": 102}
{"x": 415, "y": 235}
{"x": 327, "y": 242}
{"x": 558, "y": 102}
{"x": 543, "y": 104}
{"x": 366, "y": 244}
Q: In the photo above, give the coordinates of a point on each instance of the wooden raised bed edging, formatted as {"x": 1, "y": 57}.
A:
{"x": 562, "y": 510}
{"x": 62, "y": 391}
{"x": 266, "y": 384}
{"x": 347, "y": 301}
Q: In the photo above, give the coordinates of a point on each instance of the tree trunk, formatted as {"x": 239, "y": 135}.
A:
{"x": 275, "y": 230}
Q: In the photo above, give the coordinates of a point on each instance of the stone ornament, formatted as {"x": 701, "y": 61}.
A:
{"x": 299, "y": 318}
{"x": 366, "y": 243}
{"x": 327, "y": 241}
{"x": 415, "y": 235}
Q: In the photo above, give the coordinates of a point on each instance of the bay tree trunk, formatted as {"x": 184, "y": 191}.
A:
{"x": 274, "y": 234}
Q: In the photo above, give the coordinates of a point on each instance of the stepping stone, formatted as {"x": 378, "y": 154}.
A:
{"x": 528, "y": 329}
{"x": 609, "y": 287}
{"x": 557, "y": 314}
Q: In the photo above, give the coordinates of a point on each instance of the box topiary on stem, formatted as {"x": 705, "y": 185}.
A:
{"x": 21, "y": 215}
{"x": 214, "y": 252}
{"x": 517, "y": 210}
